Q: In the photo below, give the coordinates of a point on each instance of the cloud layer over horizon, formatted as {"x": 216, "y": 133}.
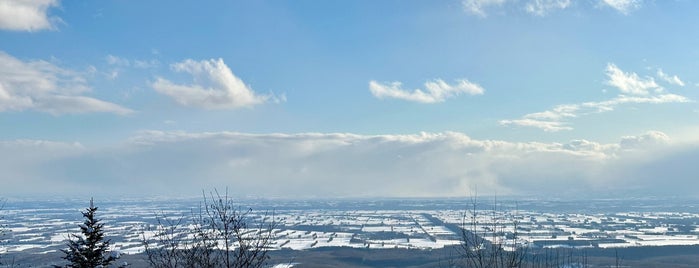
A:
{"x": 345, "y": 165}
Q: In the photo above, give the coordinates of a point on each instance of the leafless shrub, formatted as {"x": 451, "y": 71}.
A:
{"x": 480, "y": 252}
{"x": 219, "y": 234}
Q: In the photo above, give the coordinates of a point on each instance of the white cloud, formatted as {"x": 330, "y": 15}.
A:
{"x": 623, "y": 99}
{"x": 435, "y": 91}
{"x": 119, "y": 61}
{"x": 338, "y": 164}
{"x": 145, "y": 64}
{"x": 215, "y": 87}
{"x": 674, "y": 79}
{"x": 554, "y": 120}
{"x": 548, "y": 126}
{"x": 124, "y": 62}
{"x": 632, "y": 88}
{"x": 543, "y": 7}
{"x": 481, "y": 8}
{"x": 630, "y": 83}
{"x": 557, "y": 113}
{"x": 120, "y": 64}
{"x": 42, "y": 86}
{"x": 27, "y": 15}
{"x": 648, "y": 140}
{"x": 478, "y": 7}
{"x": 623, "y": 6}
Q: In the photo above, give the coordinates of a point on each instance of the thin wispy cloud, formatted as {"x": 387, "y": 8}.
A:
{"x": 214, "y": 87}
{"x": 483, "y": 8}
{"x": 118, "y": 61}
{"x": 435, "y": 91}
{"x": 43, "y": 86}
{"x": 545, "y": 125}
{"x": 633, "y": 89}
{"x": 672, "y": 79}
{"x": 118, "y": 65}
{"x": 544, "y": 7}
{"x": 480, "y": 7}
{"x": 623, "y": 6}
{"x": 136, "y": 63}
{"x": 551, "y": 121}
{"x": 31, "y": 16}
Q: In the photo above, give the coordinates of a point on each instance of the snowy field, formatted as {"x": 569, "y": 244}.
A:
{"x": 44, "y": 226}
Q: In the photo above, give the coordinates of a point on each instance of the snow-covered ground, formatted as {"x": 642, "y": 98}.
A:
{"x": 46, "y": 229}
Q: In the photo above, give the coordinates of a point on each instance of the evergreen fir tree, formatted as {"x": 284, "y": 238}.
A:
{"x": 90, "y": 249}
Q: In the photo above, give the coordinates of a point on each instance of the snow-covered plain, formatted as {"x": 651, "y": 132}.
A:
{"x": 44, "y": 226}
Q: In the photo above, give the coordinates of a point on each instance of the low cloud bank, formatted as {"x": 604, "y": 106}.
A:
{"x": 351, "y": 165}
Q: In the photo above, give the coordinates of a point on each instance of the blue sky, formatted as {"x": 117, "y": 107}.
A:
{"x": 349, "y": 98}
